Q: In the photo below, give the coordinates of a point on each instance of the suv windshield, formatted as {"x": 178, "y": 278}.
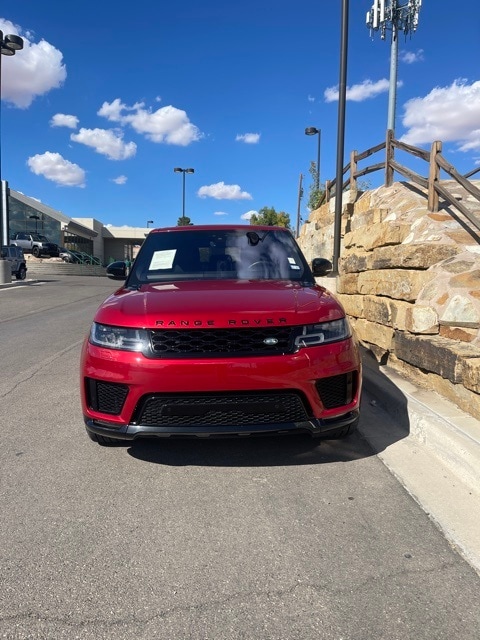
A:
{"x": 225, "y": 254}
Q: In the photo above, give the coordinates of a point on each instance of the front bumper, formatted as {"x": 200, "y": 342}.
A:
{"x": 300, "y": 376}
{"x": 313, "y": 427}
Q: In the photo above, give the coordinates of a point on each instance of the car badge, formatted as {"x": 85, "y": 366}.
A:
{"x": 270, "y": 341}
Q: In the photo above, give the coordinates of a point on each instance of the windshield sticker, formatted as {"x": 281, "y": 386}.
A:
{"x": 162, "y": 259}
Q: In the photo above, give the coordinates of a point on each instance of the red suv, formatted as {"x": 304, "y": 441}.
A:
{"x": 220, "y": 331}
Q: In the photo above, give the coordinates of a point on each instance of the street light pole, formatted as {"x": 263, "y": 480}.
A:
{"x": 342, "y": 99}
{"x": 312, "y": 131}
{"x": 149, "y": 222}
{"x": 183, "y": 171}
{"x": 9, "y": 45}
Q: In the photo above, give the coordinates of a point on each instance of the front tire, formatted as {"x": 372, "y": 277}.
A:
{"x": 36, "y": 252}
{"x": 21, "y": 273}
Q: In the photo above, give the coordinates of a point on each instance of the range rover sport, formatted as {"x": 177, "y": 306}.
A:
{"x": 219, "y": 331}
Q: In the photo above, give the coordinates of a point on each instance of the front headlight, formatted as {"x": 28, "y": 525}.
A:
{"x": 314, "y": 334}
{"x": 121, "y": 338}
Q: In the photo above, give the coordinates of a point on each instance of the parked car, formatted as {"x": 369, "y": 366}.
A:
{"x": 220, "y": 331}
{"x": 35, "y": 243}
{"x": 15, "y": 256}
{"x": 69, "y": 255}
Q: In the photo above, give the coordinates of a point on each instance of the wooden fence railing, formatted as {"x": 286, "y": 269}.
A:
{"x": 431, "y": 183}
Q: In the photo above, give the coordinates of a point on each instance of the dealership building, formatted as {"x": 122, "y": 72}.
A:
{"x": 77, "y": 234}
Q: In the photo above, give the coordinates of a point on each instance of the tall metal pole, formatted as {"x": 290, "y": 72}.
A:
{"x": 318, "y": 159}
{"x": 9, "y": 45}
{"x": 183, "y": 171}
{"x": 313, "y": 131}
{"x": 3, "y": 212}
{"x": 392, "y": 92}
{"x": 342, "y": 95}
{"x": 393, "y": 15}
{"x": 183, "y": 197}
{"x": 300, "y": 194}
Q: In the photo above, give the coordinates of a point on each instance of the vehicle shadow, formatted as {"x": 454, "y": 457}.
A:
{"x": 384, "y": 421}
{"x": 385, "y": 417}
{"x": 266, "y": 451}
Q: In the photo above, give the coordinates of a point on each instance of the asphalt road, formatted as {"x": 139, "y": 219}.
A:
{"x": 275, "y": 538}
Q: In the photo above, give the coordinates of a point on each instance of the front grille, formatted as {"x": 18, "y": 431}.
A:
{"x": 173, "y": 343}
{"x": 221, "y": 409}
{"x": 337, "y": 391}
{"x": 106, "y": 397}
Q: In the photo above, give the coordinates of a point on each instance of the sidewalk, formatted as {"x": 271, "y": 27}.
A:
{"x": 435, "y": 451}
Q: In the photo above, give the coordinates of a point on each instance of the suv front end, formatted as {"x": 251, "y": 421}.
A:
{"x": 220, "y": 351}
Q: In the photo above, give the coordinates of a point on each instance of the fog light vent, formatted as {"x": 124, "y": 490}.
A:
{"x": 106, "y": 397}
{"x": 337, "y": 391}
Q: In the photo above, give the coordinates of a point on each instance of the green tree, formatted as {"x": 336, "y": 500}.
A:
{"x": 268, "y": 216}
{"x": 315, "y": 195}
{"x": 184, "y": 221}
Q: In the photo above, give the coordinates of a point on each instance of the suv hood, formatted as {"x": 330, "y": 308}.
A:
{"x": 220, "y": 304}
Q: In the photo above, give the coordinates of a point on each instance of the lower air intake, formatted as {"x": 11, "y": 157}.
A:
{"x": 221, "y": 409}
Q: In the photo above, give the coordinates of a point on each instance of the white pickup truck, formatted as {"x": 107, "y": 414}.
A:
{"x": 35, "y": 243}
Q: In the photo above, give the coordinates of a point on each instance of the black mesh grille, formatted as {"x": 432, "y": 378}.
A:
{"x": 337, "y": 391}
{"x": 221, "y": 409}
{"x": 173, "y": 343}
{"x": 106, "y": 397}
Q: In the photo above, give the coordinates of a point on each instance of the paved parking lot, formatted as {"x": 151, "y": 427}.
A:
{"x": 224, "y": 539}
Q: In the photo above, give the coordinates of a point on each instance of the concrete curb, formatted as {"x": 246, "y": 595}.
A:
{"x": 431, "y": 446}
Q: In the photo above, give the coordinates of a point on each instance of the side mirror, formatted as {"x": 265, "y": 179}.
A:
{"x": 117, "y": 270}
{"x": 321, "y": 267}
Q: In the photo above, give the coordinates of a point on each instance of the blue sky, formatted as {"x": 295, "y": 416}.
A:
{"x": 107, "y": 98}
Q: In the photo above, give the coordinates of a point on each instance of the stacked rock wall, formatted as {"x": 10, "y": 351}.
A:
{"x": 410, "y": 283}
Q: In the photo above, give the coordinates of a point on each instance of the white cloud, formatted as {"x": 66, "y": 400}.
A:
{"x": 248, "y": 138}
{"x": 310, "y": 98}
{"x": 450, "y": 114}
{"x": 63, "y": 120}
{"x": 248, "y": 215}
{"x": 54, "y": 167}
{"x": 360, "y": 92}
{"x": 410, "y": 57}
{"x": 220, "y": 213}
{"x": 32, "y": 71}
{"x": 222, "y": 191}
{"x": 107, "y": 142}
{"x": 166, "y": 125}
{"x": 120, "y": 180}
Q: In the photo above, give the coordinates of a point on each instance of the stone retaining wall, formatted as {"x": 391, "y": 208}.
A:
{"x": 410, "y": 283}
